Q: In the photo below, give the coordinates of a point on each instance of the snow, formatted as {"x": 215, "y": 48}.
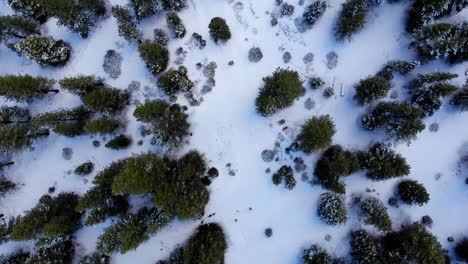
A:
{"x": 228, "y": 130}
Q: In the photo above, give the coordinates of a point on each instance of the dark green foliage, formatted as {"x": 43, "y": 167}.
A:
{"x": 371, "y": 89}
{"x": 44, "y": 50}
{"x": 169, "y": 122}
{"x": 332, "y": 209}
{"x": 175, "y": 25}
{"x": 23, "y": 88}
{"x": 95, "y": 258}
{"x": 15, "y": 28}
{"x": 412, "y": 244}
{"x": 375, "y": 213}
{"x": 82, "y": 84}
{"x": 279, "y": 91}
{"x": 412, "y": 192}
{"x": 67, "y": 122}
{"x": 102, "y": 126}
{"x": 155, "y": 56}
{"x": 383, "y": 163}
{"x": 126, "y": 24}
{"x": 6, "y": 186}
{"x": 462, "y": 249}
{"x": 425, "y": 11}
{"x": 334, "y": 163}
{"x": 6, "y": 229}
{"x": 401, "y": 121}
{"x": 59, "y": 253}
{"x": 51, "y": 217}
{"x": 460, "y": 99}
{"x": 173, "y": 80}
{"x": 286, "y": 173}
{"x": 314, "y": 11}
{"x": 316, "y": 133}
{"x": 268, "y": 232}
{"x": 351, "y": 19}
{"x": 316, "y": 255}
{"x": 219, "y": 30}
{"x": 442, "y": 40}
{"x": 106, "y": 100}
{"x": 30, "y": 8}
{"x": 316, "y": 82}
{"x": 19, "y": 136}
{"x": 397, "y": 66}
{"x": 424, "y": 79}
{"x": 160, "y": 37}
{"x": 13, "y": 115}
{"x": 85, "y": 168}
{"x": 119, "y": 142}
{"x": 364, "y": 248}
{"x": 206, "y": 246}
{"x": 146, "y": 8}
{"x": 17, "y": 258}
{"x": 175, "y": 5}
{"x": 429, "y": 98}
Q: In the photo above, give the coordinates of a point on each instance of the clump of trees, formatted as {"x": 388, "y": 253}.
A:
{"x": 168, "y": 122}
{"x": 285, "y": 173}
{"x": 219, "y": 30}
{"x": 401, "y": 121}
{"x": 412, "y": 192}
{"x": 351, "y": 19}
{"x": 279, "y": 91}
{"x": 316, "y": 134}
{"x": 371, "y": 89}
{"x": 206, "y": 246}
{"x": 173, "y": 81}
{"x": 175, "y": 25}
{"x": 332, "y": 208}
{"x": 155, "y": 56}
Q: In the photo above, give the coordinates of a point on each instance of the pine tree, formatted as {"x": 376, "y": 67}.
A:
{"x": 174, "y": 5}
{"x": 19, "y": 136}
{"x": 44, "y": 50}
{"x": 332, "y": 209}
{"x": 397, "y": 66}
{"x": 95, "y": 258}
{"x": 429, "y": 99}
{"x": 175, "y": 25}
{"x": 119, "y": 142}
{"x": 13, "y": 115}
{"x": 316, "y": 134}
{"x": 82, "y": 84}
{"x": 160, "y": 37}
{"x": 219, "y": 30}
{"x": 154, "y": 55}
{"x": 351, "y": 19}
{"x": 371, "y": 89}
{"x": 412, "y": 192}
{"x": 314, "y": 11}
{"x": 462, "y": 249}
{"x": 30, "y": 8}
{"x": 364, "y": 248}
{"x": 460, "y": 99}
{"x": 375, "y": 213}
{"x": 279, "y": 91}
{"x": 15, "y": 28}
{"x": 126, "y": 24}
{"x": 169, "y": 122}
{"x": 6, "y": 228}
{"x": 424, "y": 79}
{"x": 173, "y": 80}
{"x": 84, "y": 169}
{"x": 59, "y": 253}
{"x": 23, "y": 88}
{"x": 426, "y": 11}
{"x": 316, "y": 255}
{"x": 383, "y": 163}
{"x": 106, "y": 100}
{"x": 67, "y": 122}
{"x": 102, "y": 126}
{"x": 146, "y": 8}
{"x": 401, "y": 121}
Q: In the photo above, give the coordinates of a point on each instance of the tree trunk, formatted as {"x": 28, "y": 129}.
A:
{"x": 6, "y": 164}
{"x": 53, "y": 90}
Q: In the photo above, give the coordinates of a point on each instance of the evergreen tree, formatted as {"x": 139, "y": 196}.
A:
{"x": 175, "y": 25}
{"x": 442, "y": 40}
{"x": 84, "y": 169}
{"x": 334, "y": 163}
{"x": 364, "y": 248}
{"x": 44, "y": 50}
{"x": 82, "y": 84}
{"x": 106, "y": 100}
{"x": 95, "y": 258}
{"x": 462, "y": 249}
{"x": 316, "y": 134}
{"x": 424, "y": 79}
{"x": 172, "y": 81}
{"x": 351, "y": 19}
{"x": 102, "y": 126}
{"x": 59, "y": 253}
{"x": 428, "y": 99}
{"x": 17, "y": 258}
{"x": 19, "y": 136}
{"x": 375, "y": 213}
{"x": 371, "y": 89}
{"x": 174, "y": 5}
{"x": 15, "y": 28}
{"x": 13, "y": 115}
{"x": 6, "y": 186}
{"x": 67, "y": 122}
{"x": 126, "y": 24}
{"x": 332, "y": 209}
{"x": 314, "y": 11}
{"x": 412, "y": 244}
{"x": 219, "y": 30}
{"x": 279, "y": 91}
{"x": 6, "y": 228}
{"x": 30, "y": 8}
{"x": 119, "y": 142}
{"x": 286, "y": 173}
{"x": 425, "y": 11}
{"x": 155, "y": 56}
{"x": 412, "y": 192}
{"x": 460, "y": 99}
{"x": 383, "y": 163}
{"x": 160, "y": 37}
{"x": 169, "y": 122}
{"x": 146, "y": 8}
{"x": 22, "y": 88}
{"x": 397, "y": 66}
{"x": 401, "y": 121}
{"x": 316, "y": 255}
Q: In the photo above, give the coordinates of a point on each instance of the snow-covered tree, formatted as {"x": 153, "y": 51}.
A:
{"x": 460, "y": 99}
{"x": 95, "y": 258}
{"x": 175, "y": 25}
{"x": 30, "y": 8}
{"x": 146, "y": 8}
{"x": 15, "y": 28}
{"x": 374, "y": 212}
{"x": 25, "y": 88}
{"x": 332, "y": 209}
{"x": 44, "y": 50}
{"x": 316, "y": 255}
{"x": 160, "y": 37}
{"x": 314, "y": 11}
{"x": 429, "y": 98}
{"x": 60, "y": 253}
{"x": 364, "y": 248}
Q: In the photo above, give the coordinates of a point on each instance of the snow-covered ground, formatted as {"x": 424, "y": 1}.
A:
{"x": 228, "y": 130}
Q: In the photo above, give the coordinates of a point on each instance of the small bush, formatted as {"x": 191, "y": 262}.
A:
{"x": 371, "y": 89}
{"x": 316, "y": 82}
{"x": 316, "y": 134}
{"x": 119, "y": 142}
{"x": 332, "y": 209}
{"x": 219, "y": 30}
{"x": 155, "y": 56}
{"x": 172, "y": 81}
{"x": 314, "y": 11}
{"x": 85, "y": 168}
{"x": 412, "y": 192}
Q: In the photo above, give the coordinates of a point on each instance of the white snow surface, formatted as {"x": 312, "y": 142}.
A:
{"x": 227, "y": 129}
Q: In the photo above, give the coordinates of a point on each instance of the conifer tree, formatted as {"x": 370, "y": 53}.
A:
{"x": 316, "y": 255}
{"x": 375, "y": 213}
{"x": 351, "y": 19}
{"x": 126, "y": 24}
{"x": 13, "y": 115}
{"x": 364, "y": 248}
{"x": 44, "y": 50}
{"x": 332, "y": 209}
{"x": 15, "y": 28}
{"x": 314, "y": 11}
{"x": 30, "y": 8}
{"x": 106, "y": 100}
{"x": 82, "y": 84}
{"x": 397, "y": 66}
{"x": 219, "y": 30}
{"x": 155, "y": 56}
{"x": 460, "y": 99}
{"x": 426, "y": 11}
{"x": 316, "y": 134}
{"x": 23, "y": 88}
{"x": 175, "y": 25}
{"x": 371, "y": 89}
{"x": 19, "y": 136}
{"x": 67, "y": 122}
{"x": 173, "y": 80}
{"x": 383, "y": 163}
{"x": 412, "y": 192}
{"x": 102, "y": 126}
{"x": 429, "y": 99}
{"x": 119, "y": 142}
{"x": 146, "y": 8}
{"x": 60, "y": 253}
